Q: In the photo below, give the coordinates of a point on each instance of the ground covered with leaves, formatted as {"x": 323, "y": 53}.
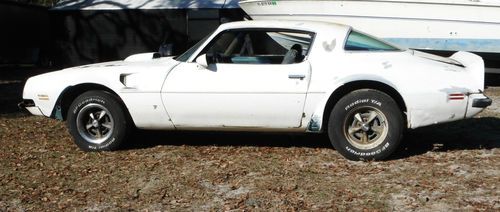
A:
{"x": 452, "y": 166}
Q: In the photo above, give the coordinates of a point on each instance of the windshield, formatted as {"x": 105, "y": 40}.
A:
{"x": 187, "y": 54}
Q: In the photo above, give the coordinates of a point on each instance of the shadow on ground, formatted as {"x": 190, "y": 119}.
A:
{"x": 148, "y": 139}
{"x": 471, "y": 134}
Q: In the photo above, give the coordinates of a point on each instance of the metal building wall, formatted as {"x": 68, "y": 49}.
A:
{"x": 24, "y": 33}
{"x": 89, "y": 36}
{"x": 86, "y": 32}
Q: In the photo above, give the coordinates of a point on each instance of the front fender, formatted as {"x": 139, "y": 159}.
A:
{"x": 46, "y": 89}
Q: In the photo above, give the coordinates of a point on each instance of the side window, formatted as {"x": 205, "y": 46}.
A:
{"x": 259, "y": 47}
{"x": 357, "y": 41}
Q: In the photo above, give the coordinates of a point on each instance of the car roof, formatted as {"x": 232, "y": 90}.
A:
{"x": 314, "y": 26}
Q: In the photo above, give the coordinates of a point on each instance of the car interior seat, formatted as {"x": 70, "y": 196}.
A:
{"x": 294, "y": 55}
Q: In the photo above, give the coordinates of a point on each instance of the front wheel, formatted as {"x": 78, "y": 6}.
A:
{"x": 97, "y": 121}
{"x": 366, "y": 125}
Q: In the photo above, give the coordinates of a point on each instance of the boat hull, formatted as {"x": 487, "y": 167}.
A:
{"x": 445, "y": 25}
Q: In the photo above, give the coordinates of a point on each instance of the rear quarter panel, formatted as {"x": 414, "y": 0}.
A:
{"x": 425, "y": 85}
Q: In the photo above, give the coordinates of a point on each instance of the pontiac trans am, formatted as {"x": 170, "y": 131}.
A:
{"x": 288, "y": 76}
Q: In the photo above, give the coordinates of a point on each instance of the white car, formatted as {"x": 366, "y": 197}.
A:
{"x": 289, "y": 76}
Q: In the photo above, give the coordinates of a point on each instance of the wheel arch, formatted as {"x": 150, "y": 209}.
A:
{"x": 357, "y": 85}
{"x": 70, "y": 93}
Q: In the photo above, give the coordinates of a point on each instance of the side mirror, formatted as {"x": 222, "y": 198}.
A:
{"x": 211, "y": 58}
{"x": 202, "y": 60}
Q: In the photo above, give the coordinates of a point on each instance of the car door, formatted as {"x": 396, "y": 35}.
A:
{"x": 254, "y": 79}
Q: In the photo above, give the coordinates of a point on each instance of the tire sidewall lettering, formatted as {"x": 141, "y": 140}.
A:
{"x": 372, "y": 153}
{"x": 107, "y": 143}
{"x": 363, "y": 101}
{"x": 87, "y": 101}
{"x": 104, "y": 144}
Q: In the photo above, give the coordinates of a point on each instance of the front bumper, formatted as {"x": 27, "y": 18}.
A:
{"x": 29, "y": 105}
{"x": 26, "y": 103}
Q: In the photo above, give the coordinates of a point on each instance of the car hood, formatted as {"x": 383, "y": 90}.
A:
{"x": 129, "y": 61}
{"x": 109, "y": 74}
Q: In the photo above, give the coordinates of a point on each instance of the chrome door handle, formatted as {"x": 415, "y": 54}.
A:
{"x": 296, "y": 76}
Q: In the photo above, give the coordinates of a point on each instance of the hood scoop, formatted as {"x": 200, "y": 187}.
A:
{"x": 142, "y": 57}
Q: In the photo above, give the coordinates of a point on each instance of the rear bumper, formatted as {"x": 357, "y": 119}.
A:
{"x": 482, "y": 102}
{"x": 477, "y": 103}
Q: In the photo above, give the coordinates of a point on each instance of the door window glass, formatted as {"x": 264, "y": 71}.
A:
{"x": 259, "y": 47}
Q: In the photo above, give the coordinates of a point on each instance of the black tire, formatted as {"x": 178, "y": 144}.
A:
{"x": 97, "y": 121}
{"x": 366, "y": 124}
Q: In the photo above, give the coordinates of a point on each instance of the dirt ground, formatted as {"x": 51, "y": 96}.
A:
{"x": 452, "y": 166}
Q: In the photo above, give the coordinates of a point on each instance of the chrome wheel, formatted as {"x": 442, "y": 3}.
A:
{"x": 365, "y": 127}
{"x": 95, "y": 123}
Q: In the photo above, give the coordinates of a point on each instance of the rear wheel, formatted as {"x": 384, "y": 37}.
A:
{"x": 366, "y": 125}
{"x": 97, "y": 121}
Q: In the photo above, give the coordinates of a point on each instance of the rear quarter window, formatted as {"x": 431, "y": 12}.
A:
{"x": 357, "y": 41}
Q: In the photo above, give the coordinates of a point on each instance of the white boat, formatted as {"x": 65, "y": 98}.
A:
{"x": 447, "y": 25}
